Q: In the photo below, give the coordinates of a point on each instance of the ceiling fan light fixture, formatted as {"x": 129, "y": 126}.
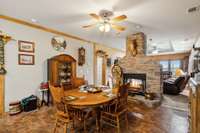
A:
{"x": 101, "y": 27}
{"x": 105, "y": 27}
{"x": 105, "y": 23}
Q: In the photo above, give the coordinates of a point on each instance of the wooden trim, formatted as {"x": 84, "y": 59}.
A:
{"x": 104, "y": 67}
{"x": 43, "y": 28}
{"x": 103, "y": 55}
{"x": 2, "y": 82}
{"x": 28, "y": 51}
{"x": 170, "y": 54}
{"x": 50, "y": 30}
{"x": 194, "y": 108}
{"x": 94, "y": 64}
{"x": 173, "y": 56}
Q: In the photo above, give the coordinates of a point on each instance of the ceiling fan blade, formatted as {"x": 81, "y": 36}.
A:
{"x": 88, "y": 26}
{"x": 118, "y": 28}
{"x": 95, "y": 16}
{"x": 119, "y": 18}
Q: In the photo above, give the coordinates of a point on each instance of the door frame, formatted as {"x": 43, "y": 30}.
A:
{"x": 100, "y": 53}
{"x": 4, "y": 39}
{"x": 2, "y": 82}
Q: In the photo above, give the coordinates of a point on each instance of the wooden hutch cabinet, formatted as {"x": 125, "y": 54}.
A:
{"x": 62, "y": 71}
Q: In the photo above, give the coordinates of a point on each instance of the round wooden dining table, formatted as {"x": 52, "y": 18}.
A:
{"x": 88, "y": 100}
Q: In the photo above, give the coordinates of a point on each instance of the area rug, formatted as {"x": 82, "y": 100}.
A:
{"x": 177, "y": 102}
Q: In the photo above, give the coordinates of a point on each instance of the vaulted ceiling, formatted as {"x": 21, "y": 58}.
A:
{"x": 168, "y": 26}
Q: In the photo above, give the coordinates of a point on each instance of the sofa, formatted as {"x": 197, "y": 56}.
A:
{"x": 176, "y": 85}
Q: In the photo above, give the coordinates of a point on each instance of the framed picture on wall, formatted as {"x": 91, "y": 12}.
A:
{"x": 25, "y": 59}
{"x": 25, "y": 46}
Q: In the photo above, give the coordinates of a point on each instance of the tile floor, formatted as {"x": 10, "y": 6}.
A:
{"x": 141, "y": 120}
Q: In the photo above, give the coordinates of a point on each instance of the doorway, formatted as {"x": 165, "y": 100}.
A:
{"x": 100, "y": 66}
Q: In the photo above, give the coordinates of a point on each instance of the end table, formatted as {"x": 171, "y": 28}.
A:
{"x": 45, "y": 91}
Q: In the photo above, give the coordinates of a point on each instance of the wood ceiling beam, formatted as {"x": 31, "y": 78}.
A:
{"x": 172, "y": 56}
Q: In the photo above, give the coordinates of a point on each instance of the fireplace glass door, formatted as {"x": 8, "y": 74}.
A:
{"x": 137, "y": 82}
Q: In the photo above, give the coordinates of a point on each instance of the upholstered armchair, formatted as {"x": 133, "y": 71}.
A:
{"x": 175, "y": 86}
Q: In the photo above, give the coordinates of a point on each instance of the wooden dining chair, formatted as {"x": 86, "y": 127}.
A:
{"x": 66, "y": 113}
{"x": 116, "y": 111}
{"x": 78, "y": 82}
{"x": 63, "y": 116}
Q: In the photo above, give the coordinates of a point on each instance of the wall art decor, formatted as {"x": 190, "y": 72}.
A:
{"x": 81, "y": 56}
{"x": 25, "y": 59}
{"x": 25, "y": 46}
{"x": 3, "y": 40}
{"x": 58, "y": 43}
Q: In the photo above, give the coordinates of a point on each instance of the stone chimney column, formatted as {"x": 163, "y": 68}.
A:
{"x": 136, "y": 44}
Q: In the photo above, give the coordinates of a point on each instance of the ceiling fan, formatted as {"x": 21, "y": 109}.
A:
{"x": 105, "y": 23}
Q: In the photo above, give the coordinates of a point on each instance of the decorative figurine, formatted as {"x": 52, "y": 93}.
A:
{"x": 3, "y": 40}
{"x": 81, "y": 56}
{"x": 116, "y": 71}
{"x": 58, "y": 43}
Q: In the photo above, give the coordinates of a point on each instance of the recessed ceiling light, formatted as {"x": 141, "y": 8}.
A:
{"x": 34, "y": 20}
{"x": 186, "y": 39}
{"x": 138, "y": 26}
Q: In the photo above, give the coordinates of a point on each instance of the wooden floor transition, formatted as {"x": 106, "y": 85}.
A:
{"x": 141, "y": 120}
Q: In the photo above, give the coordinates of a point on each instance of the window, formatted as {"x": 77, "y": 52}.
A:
{"x": 175, "y": 64}
{"x": 165, "y": 65}
{"x": 170, "y": 65}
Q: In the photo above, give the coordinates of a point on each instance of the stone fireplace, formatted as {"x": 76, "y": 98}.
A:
{"x": 138, "y": 69}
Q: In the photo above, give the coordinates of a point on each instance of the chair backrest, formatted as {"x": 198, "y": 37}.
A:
{"x": 119, "y": 103}
{"x": 123, "y": 90}
{"x": 78, "y": 82}
{"x": 122, "y": 97}
{"x": 57, "y": 94}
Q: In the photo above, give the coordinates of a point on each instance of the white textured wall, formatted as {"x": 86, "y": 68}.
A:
{"x": 21, "y": 80}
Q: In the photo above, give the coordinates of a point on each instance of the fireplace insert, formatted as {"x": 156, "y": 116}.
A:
{"x": 137, "y": 82}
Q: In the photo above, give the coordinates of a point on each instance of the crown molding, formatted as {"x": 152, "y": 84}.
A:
{"x": 50, "y": 30}
{"x": 43, "y": 28}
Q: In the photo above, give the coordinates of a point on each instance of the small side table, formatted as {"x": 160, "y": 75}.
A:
{"x": 43, "y": 91}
